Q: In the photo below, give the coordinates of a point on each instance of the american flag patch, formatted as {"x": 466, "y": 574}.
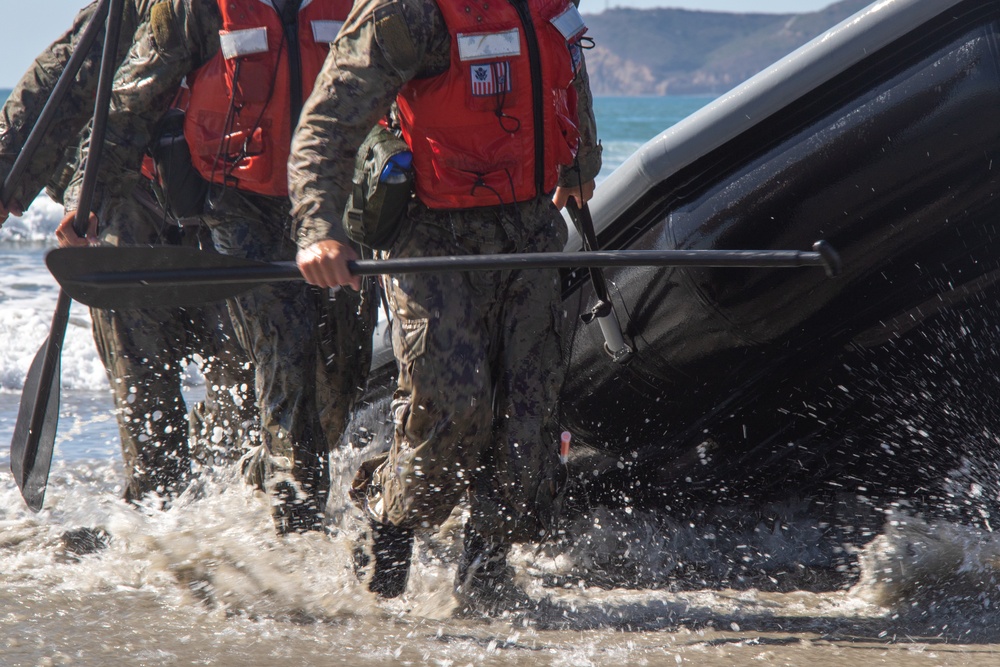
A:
{"x": 490, "y": 78}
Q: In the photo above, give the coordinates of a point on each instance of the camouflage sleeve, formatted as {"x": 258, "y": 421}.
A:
{"x": 27, "y": 100}
{"x": 588, "y": 155}
{"x": 176, "y": 38}
{"x": 382, "y": 45}
{"x": 63, "y": 186}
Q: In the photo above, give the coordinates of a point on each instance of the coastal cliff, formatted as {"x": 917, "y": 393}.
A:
{"x": 681, "y": 52}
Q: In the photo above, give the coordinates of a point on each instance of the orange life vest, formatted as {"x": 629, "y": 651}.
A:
{"x": 496, "y": 126}
{"x": 242, "y": 113}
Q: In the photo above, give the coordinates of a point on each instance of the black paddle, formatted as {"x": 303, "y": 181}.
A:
{"x": 38, "y": 413}
{"x": 130, "y": 277}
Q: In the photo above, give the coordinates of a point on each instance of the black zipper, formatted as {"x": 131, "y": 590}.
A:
{"x": 535, "y": 64}
{"x": 290, "y": 24}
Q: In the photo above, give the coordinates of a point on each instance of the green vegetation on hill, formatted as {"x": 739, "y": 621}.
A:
{"x": 678, "y": 51}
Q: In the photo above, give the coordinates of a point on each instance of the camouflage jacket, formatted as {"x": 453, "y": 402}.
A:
{"x": 57, "y": 156}
{"x": 382, "y": 45}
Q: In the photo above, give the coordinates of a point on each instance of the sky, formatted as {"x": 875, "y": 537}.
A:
{"x": 31, "y": 25}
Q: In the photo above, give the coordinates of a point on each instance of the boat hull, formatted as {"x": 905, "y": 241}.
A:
{"x": 754, "y": 383}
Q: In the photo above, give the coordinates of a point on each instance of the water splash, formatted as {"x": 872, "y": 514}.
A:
{"x": 917, "y": 563}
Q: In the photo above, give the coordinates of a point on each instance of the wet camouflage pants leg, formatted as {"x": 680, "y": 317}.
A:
{"x": 279, "y": 324}
{"x": 142, "y": 351}
{"x": 347, "y": 323}
{"x": 145, "y": 352}
{"x": 479, "y": 372}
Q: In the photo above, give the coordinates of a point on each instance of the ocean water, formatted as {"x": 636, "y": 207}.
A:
{"x": 207, "y": 581}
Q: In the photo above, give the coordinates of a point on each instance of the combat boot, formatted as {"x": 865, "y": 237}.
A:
{"x": 484, "y": 583}
{"x": 293, "y": 514}
{"x": 392, "y": 547}
{"x": 83, "y": 541}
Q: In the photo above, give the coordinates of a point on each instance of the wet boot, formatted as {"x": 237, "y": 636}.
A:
{"x": 484, "y": 583}
{"x": 392, "y": 547}
{"x": 293, "y": 514}
{"x": 83, "y": 541}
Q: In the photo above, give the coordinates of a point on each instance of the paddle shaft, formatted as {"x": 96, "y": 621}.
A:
{"x": 585, "y": 225}
{"x": 284, "y": 271}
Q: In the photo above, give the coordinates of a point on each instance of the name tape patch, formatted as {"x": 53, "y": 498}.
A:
{"x": 241, "y": 43}
{"x": 569, "y": 23}
{"x": 325, "y": 32}
{"x": 479, "y": 46}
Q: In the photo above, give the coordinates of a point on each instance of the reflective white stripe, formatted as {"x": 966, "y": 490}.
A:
{"x": 240, "y": 43}
{"x": 325, "y": 32}
{"x": 489, "y": 45}
{"x": 569, "y": 23}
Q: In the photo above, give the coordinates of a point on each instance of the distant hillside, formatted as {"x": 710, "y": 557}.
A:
{"x": 678, "y": 51}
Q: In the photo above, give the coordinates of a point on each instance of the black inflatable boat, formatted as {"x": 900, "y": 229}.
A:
{"x": 881, "y": 137}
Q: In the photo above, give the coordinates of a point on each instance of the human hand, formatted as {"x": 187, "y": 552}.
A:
{"x": 67, "y": 235}
{"x": 14, "y": 208}
{"x": 581, "y": 194}
{"x": 324, "y": 264}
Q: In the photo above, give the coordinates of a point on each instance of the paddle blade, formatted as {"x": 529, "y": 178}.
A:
{"x": 31, "y": 453}
{"x": 157, "y": 276}
{"x": 141, "y": 277}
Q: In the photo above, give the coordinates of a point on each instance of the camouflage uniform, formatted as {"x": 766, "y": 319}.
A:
{"x": 297, "y": 335}
{"x": 143, "y": 351}
{"x": 478, "y": 353}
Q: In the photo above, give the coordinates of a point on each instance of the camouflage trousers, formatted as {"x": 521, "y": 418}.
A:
{"x": 145, "y": 354}
{"x": 480, "y": 368}
{"x": 311, "y": 351}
